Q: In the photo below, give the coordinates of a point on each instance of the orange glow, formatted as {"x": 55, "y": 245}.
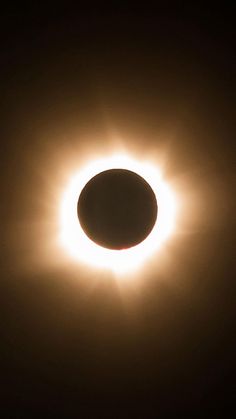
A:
{"x": 84, "y": 250}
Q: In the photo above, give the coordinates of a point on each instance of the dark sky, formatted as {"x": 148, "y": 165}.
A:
{"x": 72, "y": 343}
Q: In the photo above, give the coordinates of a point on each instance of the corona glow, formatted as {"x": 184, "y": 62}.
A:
{"x": 84, "y": 250}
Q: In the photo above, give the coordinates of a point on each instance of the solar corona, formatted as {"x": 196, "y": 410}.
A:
{"x": 115, "y": 213}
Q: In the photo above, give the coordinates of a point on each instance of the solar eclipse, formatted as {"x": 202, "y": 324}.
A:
{"x": 115, "y": 213}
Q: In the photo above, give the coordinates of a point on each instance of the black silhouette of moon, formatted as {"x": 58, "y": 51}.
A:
{"x": 117, "y": 209}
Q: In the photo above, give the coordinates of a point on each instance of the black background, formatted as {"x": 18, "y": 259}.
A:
{"x": 165, "y": 347}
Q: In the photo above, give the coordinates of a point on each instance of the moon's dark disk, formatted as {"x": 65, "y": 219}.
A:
{"x": 117, "y": 209}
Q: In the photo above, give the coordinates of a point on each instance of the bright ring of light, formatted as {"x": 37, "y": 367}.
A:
{"x": 81, "y": 248}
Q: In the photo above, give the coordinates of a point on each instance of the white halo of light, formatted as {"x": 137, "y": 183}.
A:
{"x": 83, "y": 249}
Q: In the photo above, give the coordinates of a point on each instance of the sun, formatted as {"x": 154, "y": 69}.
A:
{"x": 84, "y": 250}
